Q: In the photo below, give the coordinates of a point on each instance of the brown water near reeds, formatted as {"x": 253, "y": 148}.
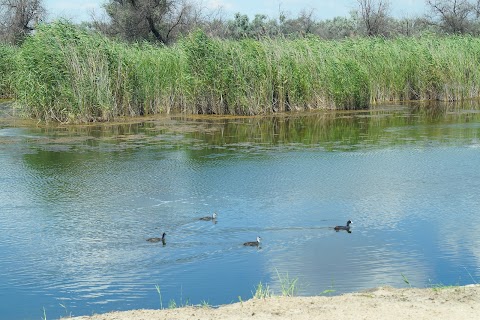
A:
{"x": 78, "y": 202}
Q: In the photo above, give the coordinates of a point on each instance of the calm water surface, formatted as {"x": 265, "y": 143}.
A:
{"x": 78, "y": 203}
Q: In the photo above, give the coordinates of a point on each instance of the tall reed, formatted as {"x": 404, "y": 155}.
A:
{"x": 426, "y": 68}
{"x": 7, "y": 70}
{"x": 252, "y": 77}
{"x": 63, "y": 74}
{"x": 66, "y": 73}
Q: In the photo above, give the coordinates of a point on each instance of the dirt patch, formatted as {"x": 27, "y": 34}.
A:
{"x": 381, "y": 303}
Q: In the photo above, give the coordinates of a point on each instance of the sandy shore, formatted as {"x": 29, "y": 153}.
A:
{"x": 380, "y": 303}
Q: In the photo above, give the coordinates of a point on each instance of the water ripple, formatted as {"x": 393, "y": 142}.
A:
{"x": 77, "y": 208}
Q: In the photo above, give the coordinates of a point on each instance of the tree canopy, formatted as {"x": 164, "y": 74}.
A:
{"x": 165, "y": 21}
{"x": 18, "y": 18}
{"x": 146, "y": 19}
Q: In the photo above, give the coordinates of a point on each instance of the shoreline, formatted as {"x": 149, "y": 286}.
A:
{"x": 462, "y": 302}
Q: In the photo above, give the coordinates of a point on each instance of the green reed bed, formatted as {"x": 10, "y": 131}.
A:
{"x": 63, "y": 73}
{"x": 426, "y": 68}
{"x": 146, "y": 79}
{"x": 70, "y": 74}
{"x": 254, "y": 77}
{"x": 7, "y": 70}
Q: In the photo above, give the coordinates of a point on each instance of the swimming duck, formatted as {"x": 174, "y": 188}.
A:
{"x": 213, "y": 217}
{"x": 253, "y": 243}
{"x": 347, "y": 227}
{"x": 162, "y": 239}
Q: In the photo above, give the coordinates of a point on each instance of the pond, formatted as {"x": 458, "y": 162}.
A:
{"x": 77, "y": 204}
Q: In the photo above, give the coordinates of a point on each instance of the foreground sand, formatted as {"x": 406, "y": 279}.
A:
{"x": 381, "y": 303}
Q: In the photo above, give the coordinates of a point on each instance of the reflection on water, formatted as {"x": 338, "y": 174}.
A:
{"x": 77, "y": 204}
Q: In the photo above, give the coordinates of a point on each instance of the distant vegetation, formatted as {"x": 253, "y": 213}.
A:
{"x": 167, "y": 21}
{"x": 66, "y": 73}
{"x": 158, "y": 57}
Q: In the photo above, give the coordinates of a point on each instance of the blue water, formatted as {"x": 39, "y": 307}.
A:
{"x": 78, "y": 203}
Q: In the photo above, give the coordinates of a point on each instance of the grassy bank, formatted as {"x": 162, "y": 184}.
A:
{"x": 68, "y": 74}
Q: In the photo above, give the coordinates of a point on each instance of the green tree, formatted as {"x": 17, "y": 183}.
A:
{"x": 453, "y": 16}
{"x": 146, "y": 19}
{"x": 241, "y": 27}
{"x": 18, "y": 18}
{"x": 375, "y": 16}
{"x": 337, "y": 28}
{"x": 301, "y": 26}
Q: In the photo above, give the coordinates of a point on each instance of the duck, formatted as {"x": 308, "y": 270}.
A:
{"x": 253, "y": 243}
{"x": 209, "y": 218}
{"x": 162, "y": 239}
{"x": 347, "y": 227}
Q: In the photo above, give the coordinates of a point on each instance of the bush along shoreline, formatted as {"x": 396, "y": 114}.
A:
{"x": 69, "y": 74}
